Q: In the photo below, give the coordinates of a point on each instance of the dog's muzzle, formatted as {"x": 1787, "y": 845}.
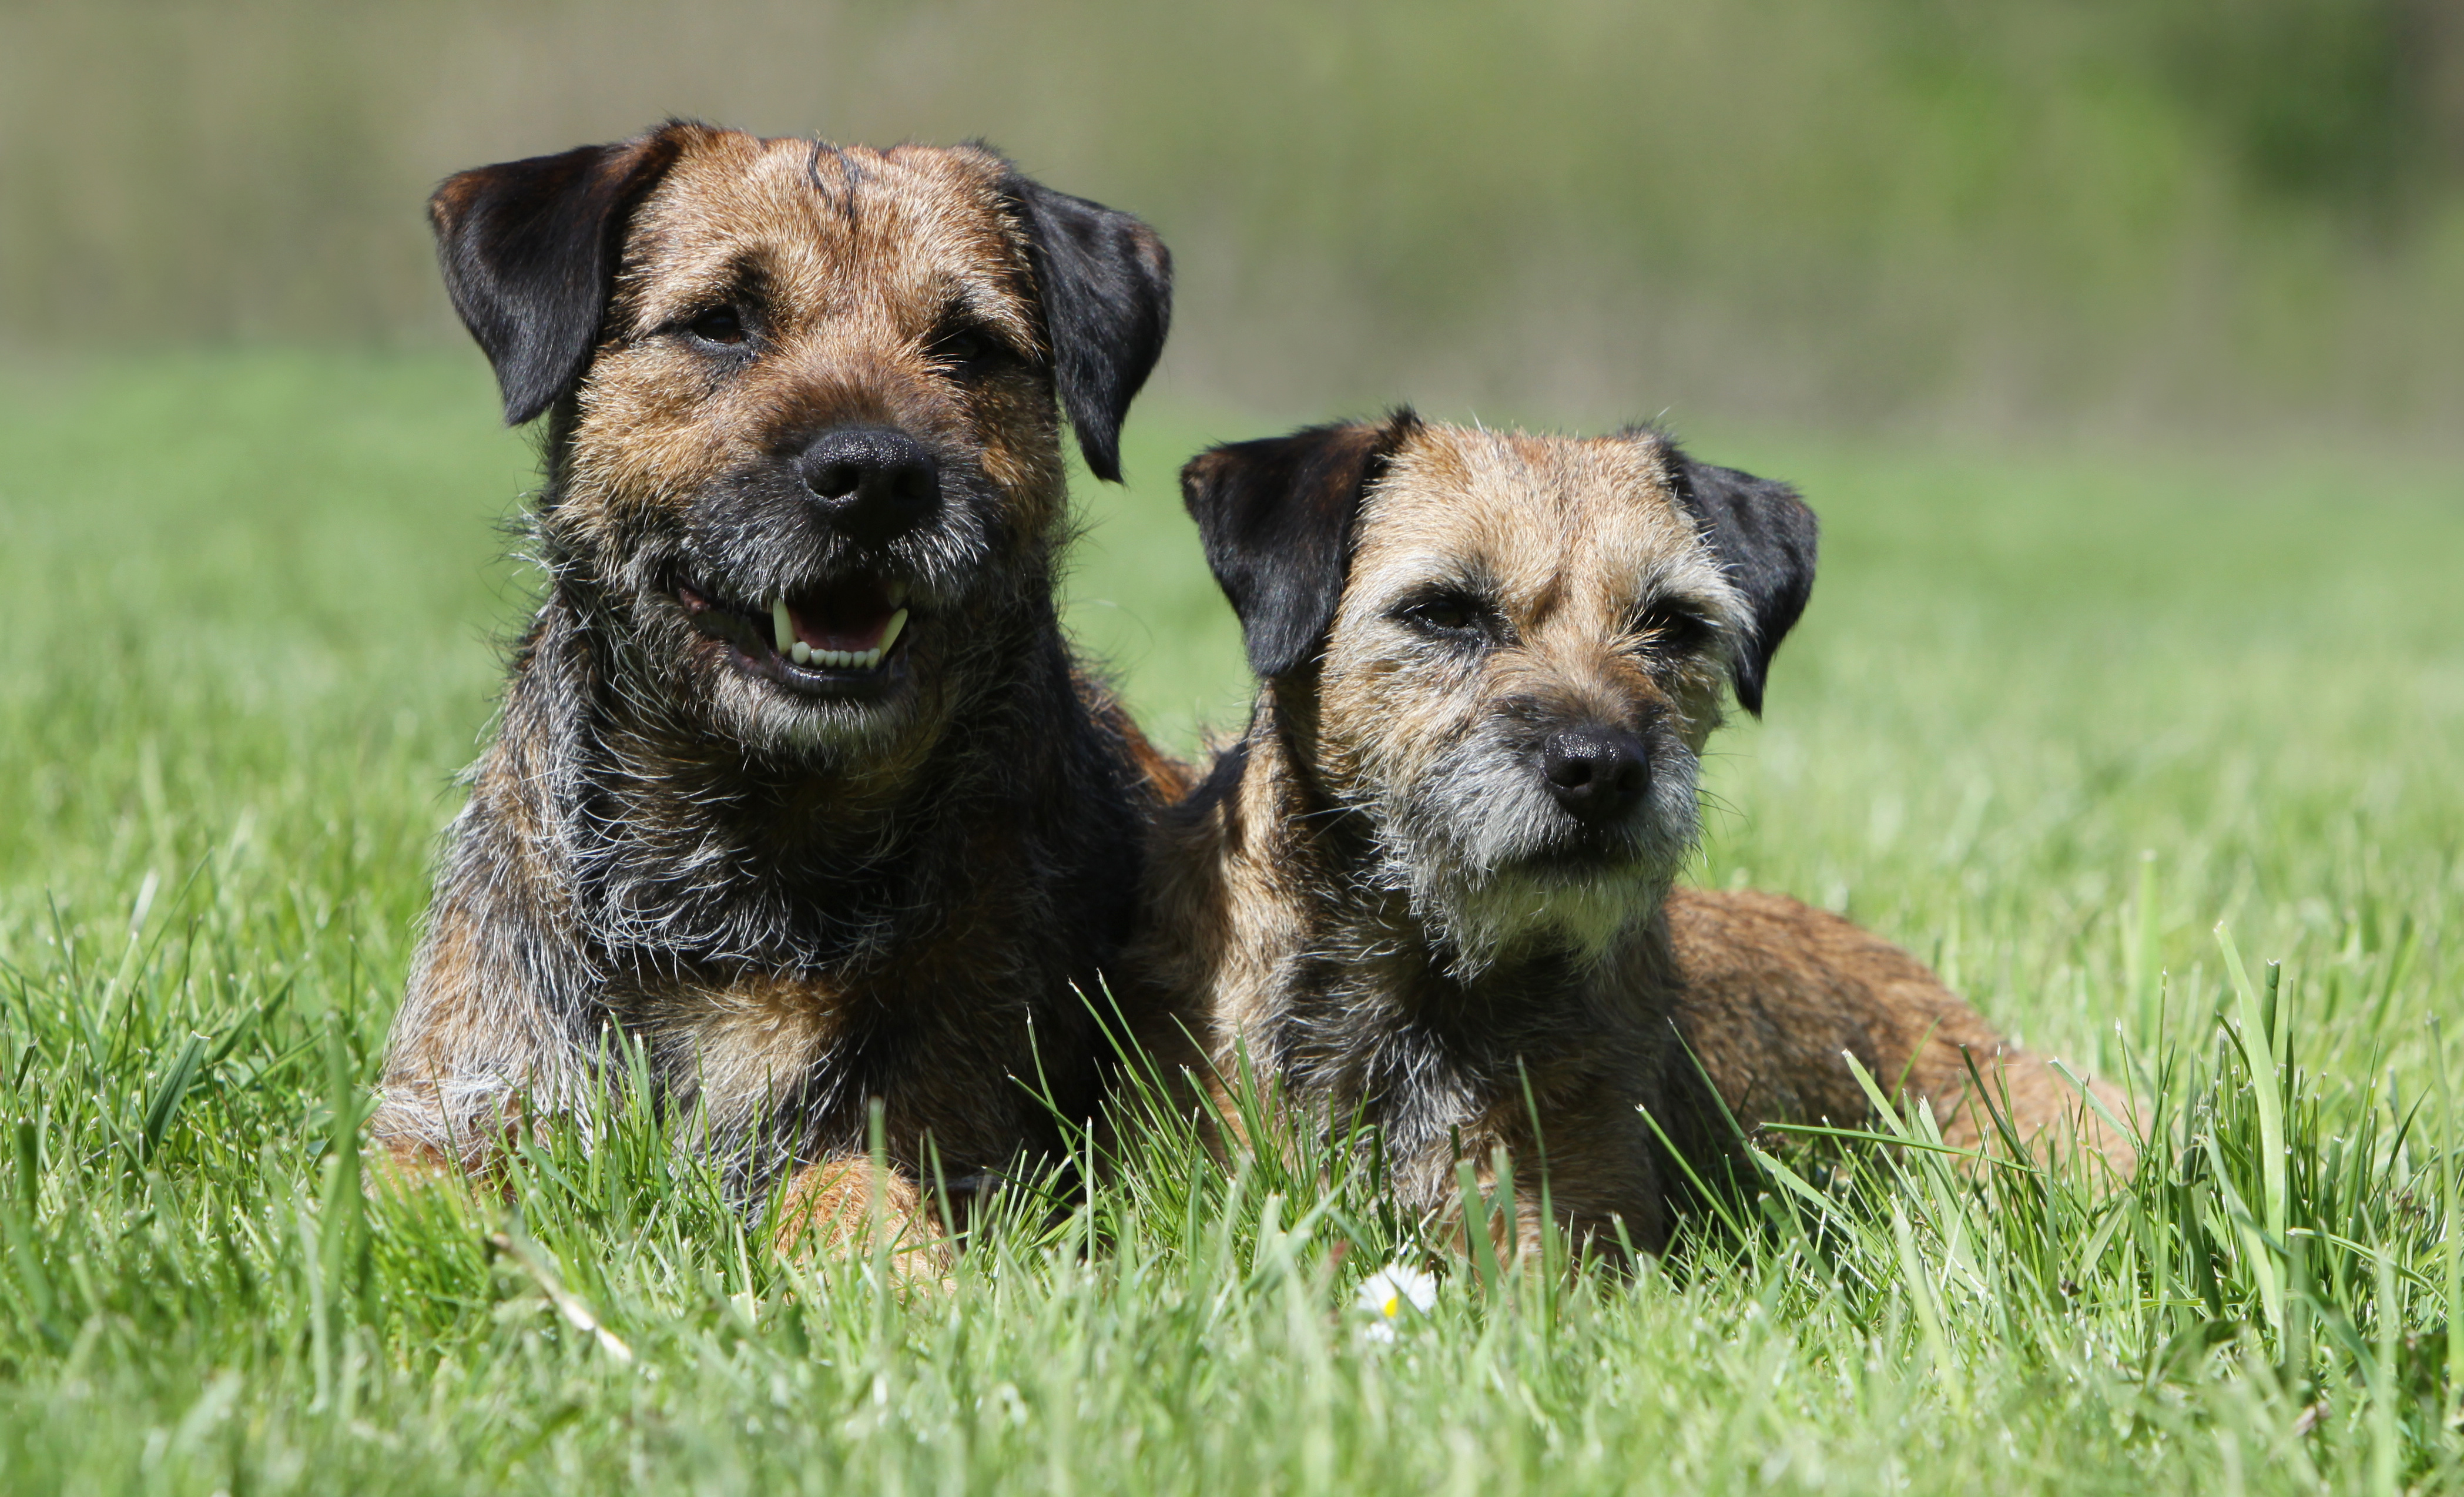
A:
{"x": 837, "y": 631}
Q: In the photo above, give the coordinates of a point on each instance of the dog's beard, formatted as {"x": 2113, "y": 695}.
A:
{"x": 782, "y": 727}
{"x": 1493, "y": 867}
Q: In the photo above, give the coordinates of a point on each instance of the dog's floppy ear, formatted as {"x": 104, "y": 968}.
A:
{"x": 529, "y": 250}
{"x": 1105, "y": 280}
{"x": 1275, "y": 515}
{"x": 1765, "y": 535}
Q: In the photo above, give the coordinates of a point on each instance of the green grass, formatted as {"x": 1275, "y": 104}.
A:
{"x": 2053, "y": 716}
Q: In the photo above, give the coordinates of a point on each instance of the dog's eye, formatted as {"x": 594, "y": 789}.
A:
{"x": 1672, "y": 630}
{"x": 719, "y": 326}
{"x": 966, "y": 350}
{"x": 1446, "y": 613}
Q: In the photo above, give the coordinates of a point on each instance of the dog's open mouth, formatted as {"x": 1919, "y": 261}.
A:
{"x": 823, "y": 638}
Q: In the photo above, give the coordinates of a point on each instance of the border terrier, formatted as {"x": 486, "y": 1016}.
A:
{"x": 797, "y": 785}
{"x": 1431, "y": 886}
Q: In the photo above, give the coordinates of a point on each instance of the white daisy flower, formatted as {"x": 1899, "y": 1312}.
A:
{"x": 1385, "y": 1292}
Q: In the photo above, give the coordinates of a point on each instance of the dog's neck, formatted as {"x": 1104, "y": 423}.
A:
{"x": 1360, "y": 962}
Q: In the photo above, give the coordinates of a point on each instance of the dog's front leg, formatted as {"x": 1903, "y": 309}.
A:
{"x": 846, "y": 1206}
{"x": 488, "y": 1040}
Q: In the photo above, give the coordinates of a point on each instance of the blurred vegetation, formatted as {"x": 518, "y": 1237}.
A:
{"x": 2126, "y": 214}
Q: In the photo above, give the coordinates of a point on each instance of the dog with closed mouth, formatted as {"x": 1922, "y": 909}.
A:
{"x": 797, "y": 785}
{"x": 1432, "y": 886}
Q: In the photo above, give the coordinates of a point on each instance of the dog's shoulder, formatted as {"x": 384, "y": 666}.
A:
{"x": 1154, "y": 774}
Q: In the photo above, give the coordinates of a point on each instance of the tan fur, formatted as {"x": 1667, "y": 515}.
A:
{"x": 1775, "y": 993}
{"x": 739, "y": 1048}
{"x": 842, "y": 1204}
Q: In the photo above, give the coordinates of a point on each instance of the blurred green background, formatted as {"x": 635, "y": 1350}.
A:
{"x": 2092, "y": 216}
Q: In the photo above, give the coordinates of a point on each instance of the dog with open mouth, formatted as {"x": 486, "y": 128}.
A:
{"x": 1431, "y": 889}
{"x": 797, "y": 785}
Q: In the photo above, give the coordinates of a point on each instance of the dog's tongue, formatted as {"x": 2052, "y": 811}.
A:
{"x": 850, "y": 615}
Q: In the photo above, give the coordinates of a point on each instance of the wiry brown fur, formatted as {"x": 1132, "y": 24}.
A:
{"x": 798, "y": 902}
{"x": 1774, "y": 993}
{"x": 1376, "y": 898}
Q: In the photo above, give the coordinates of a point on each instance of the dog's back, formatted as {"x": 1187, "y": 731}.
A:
{"x": 1774, "y": 995}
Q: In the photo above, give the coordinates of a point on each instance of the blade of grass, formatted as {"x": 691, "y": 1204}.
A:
{"x": 2259, "y": 1053}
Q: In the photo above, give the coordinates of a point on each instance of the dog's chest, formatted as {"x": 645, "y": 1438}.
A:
{"x": 739, "y": 1046}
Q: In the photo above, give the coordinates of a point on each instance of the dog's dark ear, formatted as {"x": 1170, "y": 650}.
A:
{"x": 1275, "y": 516}
{"x": 1765, "y": 534}
{"x": 529, "y": 250}
{"x": 1106, "y": 284}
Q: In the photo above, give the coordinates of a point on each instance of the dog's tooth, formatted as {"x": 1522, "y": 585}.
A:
{"x": 890, "y": 634}
{"x": 867, "y": 660}
{"x": 838, "y": 660}
{"x": 785, "y": 623}
{"x": 898, "y": 595}
{"x": 802, "y": 653}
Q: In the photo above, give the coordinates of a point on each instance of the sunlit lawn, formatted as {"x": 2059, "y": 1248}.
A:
{"x": 2053, "y": 716}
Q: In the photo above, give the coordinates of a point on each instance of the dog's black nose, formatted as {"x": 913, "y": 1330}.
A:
{"x": 1595, "y": 773}
{"x": 875, "y": 484}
